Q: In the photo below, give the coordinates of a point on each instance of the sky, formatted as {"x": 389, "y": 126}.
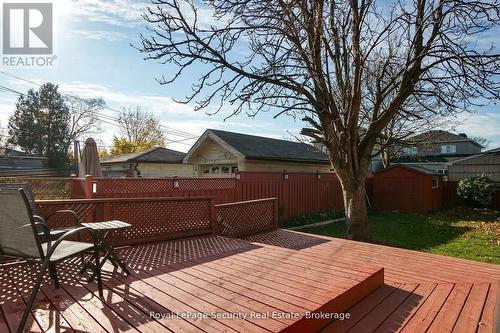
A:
{"x": 92, "y": 43}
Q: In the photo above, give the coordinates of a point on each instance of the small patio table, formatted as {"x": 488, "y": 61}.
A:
{"x": 109, "y": 232}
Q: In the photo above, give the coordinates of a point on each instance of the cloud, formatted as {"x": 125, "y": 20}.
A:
{"x": 128, "y": 13}
{"x": 110, "y": 36}
{"x": 113, "y": 12}
{"x": 180, "y": 121}
{"x": 484, "y": 124}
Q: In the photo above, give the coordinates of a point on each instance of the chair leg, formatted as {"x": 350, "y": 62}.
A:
{"x": 98, "y": 271}
{"x": 34, "y": 292}
{"x": 53, "y": 274}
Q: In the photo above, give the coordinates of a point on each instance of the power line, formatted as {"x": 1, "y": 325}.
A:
{"x": 168, "y": 128}
{"x": 102, "y": 117}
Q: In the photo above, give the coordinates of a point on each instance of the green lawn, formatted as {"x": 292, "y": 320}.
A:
{"x": 464, "y": 233}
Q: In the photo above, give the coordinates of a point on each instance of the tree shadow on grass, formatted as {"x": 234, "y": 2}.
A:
{"x": 409, "y": 231}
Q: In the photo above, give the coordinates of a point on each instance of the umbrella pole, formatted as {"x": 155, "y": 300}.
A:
{"x": 75, "y": 156}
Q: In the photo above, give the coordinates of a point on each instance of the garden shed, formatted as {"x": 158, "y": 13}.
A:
{"x": 408, "y": 189}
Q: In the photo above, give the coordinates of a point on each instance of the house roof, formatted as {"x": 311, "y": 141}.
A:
{"x": 471, "y": 157}
{"x": 153, "y": 155}
{"x": 415, "y": 168}
{"x": 427, "y": 158}
{"x": 262, "y": 148}
{"x": 17, "y": 154}
{"x": 437, "y": 136}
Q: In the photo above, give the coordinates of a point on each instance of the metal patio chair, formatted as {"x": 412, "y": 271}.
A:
{"x": 20, "y": 237}
{"x": 54, "y": 232}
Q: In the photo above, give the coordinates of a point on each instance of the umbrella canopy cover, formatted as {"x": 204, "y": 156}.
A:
{"x": 89, "y": 163}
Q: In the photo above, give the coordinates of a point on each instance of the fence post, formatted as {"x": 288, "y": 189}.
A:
{"x": 213, "y": 218}
{"x": 276, "y": 212}
{"x": 88, "y": 187}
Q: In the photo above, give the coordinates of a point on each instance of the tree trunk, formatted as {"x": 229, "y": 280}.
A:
{"x": 356, "y": 213}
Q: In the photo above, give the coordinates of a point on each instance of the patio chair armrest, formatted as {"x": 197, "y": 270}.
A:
{"x": 68, "y": 233}
{"x": 76, "y": 218}
{"x": 45, "y": 228}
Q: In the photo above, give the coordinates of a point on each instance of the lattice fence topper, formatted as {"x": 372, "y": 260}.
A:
{"x": 152, "y": 219}
{"x": 207, "y": 183}
{"x": 85, "y": 210}
{"x": 160, "y": 219}
{"x": 247, "y": 217}
{"x": 109, "y": 187}
{"x": 44, "y": 188}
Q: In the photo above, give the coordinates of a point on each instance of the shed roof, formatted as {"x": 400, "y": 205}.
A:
{"x": 153, "y": 155}
{"x": 262, "y": 148}
{"x": 413, "y": 168}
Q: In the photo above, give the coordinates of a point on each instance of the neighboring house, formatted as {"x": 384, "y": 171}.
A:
{"x": 435, "y": 149}
{"x": 375, "y": 163}
{"x": 154, "y": 162}
{"x": 14, "y": 160}
{"x": 486, "y": 163}
{"x": 223, "y": 153}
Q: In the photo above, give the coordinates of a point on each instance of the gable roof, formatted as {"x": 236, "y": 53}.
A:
{"x": 439, "y": 136}
{"x": 153, "y": 155}
{"x": 261, "y": 148}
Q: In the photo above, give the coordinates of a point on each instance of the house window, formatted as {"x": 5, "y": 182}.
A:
{"x": 435, "y": 181}
{"x": 410, "y": 150}
{"x": 218, "y": 169}
{"x": 448, "y": 149}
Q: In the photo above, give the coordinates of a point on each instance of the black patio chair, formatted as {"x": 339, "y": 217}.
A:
{"x": 20, "y": 237}
{"x": 54, "y": 232}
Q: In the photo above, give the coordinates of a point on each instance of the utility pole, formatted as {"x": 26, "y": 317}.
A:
{"x": 75, "y": 156}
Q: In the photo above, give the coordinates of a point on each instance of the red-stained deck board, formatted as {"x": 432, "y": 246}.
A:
{"x": 258, "y": 296}
{"x": 168, "y": 303}
{"x": 422, "y": 292}
{"x": 361, "y": 309}
{"x": 76, "y": 316}
{"x": 471, "y": 312}
{"x": 491, "y": 310}
{"x": 421, "y": 317}
{"x": 448, "y": 314}
{"x": 13, "y": 305}
{"x": 376, "y": 317}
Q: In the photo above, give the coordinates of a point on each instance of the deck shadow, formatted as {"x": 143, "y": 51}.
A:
{"x": 387, "y": 308}
{"x": 182, "y": 252}
{"x": 149, "y": 260}
{"x": 287, "y": 239}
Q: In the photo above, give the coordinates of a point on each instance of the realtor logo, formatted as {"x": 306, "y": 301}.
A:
{"x": 27, "y": 28}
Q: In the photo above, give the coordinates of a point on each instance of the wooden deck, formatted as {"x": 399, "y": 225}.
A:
{"x": 278, "y": 273}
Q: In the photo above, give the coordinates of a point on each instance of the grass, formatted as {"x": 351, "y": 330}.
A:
{"x": 311, "y": 218}
{"x": 464, "y": 233}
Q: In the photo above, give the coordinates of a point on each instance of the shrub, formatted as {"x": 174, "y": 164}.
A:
{"x": 477, "y": 191}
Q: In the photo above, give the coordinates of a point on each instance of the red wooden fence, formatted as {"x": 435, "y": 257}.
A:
{"x": 152, "y": 219}
{"x": 297, "y": 193}
{"x": 157, "y": 219}
{"x": 451, "y": 199}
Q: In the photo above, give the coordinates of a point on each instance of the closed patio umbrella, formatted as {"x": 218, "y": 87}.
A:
{"x": 89, "y": 163}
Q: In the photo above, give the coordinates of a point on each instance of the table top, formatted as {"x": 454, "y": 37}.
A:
{"x": 107, "y": 225}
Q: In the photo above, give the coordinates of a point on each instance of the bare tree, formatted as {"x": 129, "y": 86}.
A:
{"x": 83, "y": 117}
{"x": 140, "y": 130}
{"x": 347, "y": 67}
{"x": 396, "y": 137}
{"x": 485, "y": 143}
